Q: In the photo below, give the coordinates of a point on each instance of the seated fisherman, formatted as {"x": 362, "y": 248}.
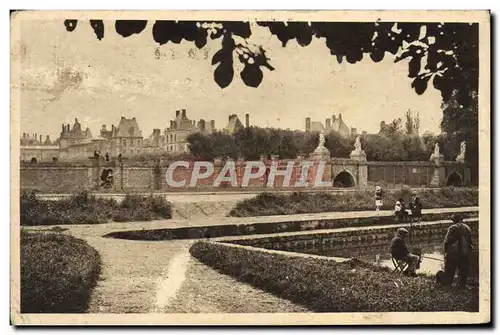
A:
{"x": 400, "y": 252}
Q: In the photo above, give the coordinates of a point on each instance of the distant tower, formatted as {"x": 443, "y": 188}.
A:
{"x": 247, "y": 120}
{"x": 328, "y": 124}
{"x": 308, "y": 124}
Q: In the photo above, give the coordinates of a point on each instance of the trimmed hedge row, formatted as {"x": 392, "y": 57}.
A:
{"x": 84, "y": 208}
{"x": 300, "y": 202}
{"x": 263, "y": 228}
{"x": 58, "y": 273}
{"x": 327, "y": 286}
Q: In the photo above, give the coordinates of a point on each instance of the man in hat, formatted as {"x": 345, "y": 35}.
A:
{"x": 457, "y": 251}
{"x": 401, "y": 252}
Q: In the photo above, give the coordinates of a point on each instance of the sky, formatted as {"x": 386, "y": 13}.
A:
{"x": 67, "y": 75}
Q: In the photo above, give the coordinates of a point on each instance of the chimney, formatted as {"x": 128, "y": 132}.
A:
{"x": 40, "y": 138}
{"x": 333, "y": 118}
{"x": 76, "y": 120}
{"x": 47, "y": 139}
{"x": 35, "y": 136}
{"x": 340, "y": 116}
{"x": 247, "y": 120}
{"x": 308, "y": 124}
{"x": 156, "y": 132}
{"x": 177, "y": 112}
{"x": 123, "y": 117}
{"x": 212, "y": 125}
{"x": 328, "y": 124}
{"x": 68, "y": 127}
{"x": 62, "y": 128}
{"x": 183, "y": 113}
{"x": 230, "y": 117}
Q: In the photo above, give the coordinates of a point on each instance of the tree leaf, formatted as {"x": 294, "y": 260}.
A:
{"x": 414, "y": 66}
{"x": 420, "y": 84}
{"x": 127, "y": 28}
{"x": 224, "y": 74}
{"x": 218, "y": 57}
{"x": 70, "y": 24}
{"x": 251, "y": 75}
{"x": 98, "y": 27}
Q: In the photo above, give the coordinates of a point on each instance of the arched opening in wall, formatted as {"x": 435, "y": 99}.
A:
{"x": 33, "y": 160}
{"x": 344, "y": 179}
{"x": 454, "y": 179}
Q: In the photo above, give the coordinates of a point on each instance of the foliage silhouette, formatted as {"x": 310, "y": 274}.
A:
{"x": 446, "y": 53}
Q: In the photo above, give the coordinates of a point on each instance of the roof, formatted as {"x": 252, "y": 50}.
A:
{"x": 234, "y": 125}
{"x": 317, "y": 126}
{"x": 127, "y": 128}
{"x": 339, "y": 126}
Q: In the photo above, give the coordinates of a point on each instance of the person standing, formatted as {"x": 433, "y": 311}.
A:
{"x": 457, "y": 251}
{"x": 416, "y": 208}
{"x": 378, "y": 199}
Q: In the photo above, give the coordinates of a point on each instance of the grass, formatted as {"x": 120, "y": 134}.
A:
{"x": 58, "y": 273}
{"x": 327, "y": 286}
{"x": 300, "y": 203}
{"x": 83, "y": 208}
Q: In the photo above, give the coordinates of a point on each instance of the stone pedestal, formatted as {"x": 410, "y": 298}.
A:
{"x": 439, "y": 174}
{"x": 321, "y": 153}
{"x": 358, "y": 155}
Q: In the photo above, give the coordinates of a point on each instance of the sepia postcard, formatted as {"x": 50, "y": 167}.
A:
{"x": 250, "y": 168}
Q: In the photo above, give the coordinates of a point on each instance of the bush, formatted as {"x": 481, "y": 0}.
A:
{"x": 327, "y": 286}
{"x": 58, "y": 273}
{"x": 84, "y": 208}
{"x": 301, "y": 202}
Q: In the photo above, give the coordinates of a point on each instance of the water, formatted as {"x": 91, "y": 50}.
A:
{"x": 378, "y": 253}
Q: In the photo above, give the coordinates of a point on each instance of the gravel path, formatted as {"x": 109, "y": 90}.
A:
{"x": 152, "y": 277}
{"x": 207, "y": 291}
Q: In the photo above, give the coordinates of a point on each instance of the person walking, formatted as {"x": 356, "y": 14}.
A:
{"x": 457, "y": 251}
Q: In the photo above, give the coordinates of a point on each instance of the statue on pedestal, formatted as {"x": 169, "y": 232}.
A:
{"x": 321, "y": 152}
{"x": 358, "y": 153}
{"x": 436, "y": 156}
{"x": 461, "y": 156}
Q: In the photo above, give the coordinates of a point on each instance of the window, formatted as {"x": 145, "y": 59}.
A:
{"x": 131, "y": 130}
{"x": 124, "y": 142}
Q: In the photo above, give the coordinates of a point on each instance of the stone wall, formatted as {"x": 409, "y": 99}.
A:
{"x": 151, "y": 176}
{"x": 61, "y": 179}
{"x": 415, "y": 173}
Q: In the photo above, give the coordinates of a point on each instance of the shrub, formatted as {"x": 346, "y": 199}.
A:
{"x": 301, "y": 202}
{"x": 58, "y": 273}
{"x": 327, "y": 286}
{"x": 84, "y": 208}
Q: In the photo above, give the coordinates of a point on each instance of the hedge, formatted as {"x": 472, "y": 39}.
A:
{"x": 58, "y": 273}
{"x": 83, "y": 208}
{"x": 301, "y": 202}
{"x": 327, "y": 286}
